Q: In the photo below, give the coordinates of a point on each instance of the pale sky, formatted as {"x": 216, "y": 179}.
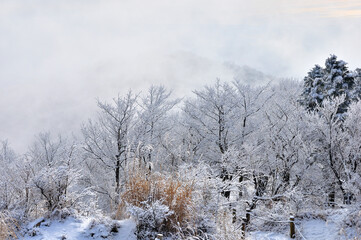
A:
{"x": 57, "y": 57}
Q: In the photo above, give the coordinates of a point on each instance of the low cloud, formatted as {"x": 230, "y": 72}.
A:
{"x": 57, "y": 57}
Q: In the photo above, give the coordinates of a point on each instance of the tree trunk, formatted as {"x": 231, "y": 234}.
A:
{"x": 117, "y": 176}
{"x": 331, "y": 196}
{"x": 347, "y": 198}
{"x": 260, "y": 183}
{"x": 226, "y": 177}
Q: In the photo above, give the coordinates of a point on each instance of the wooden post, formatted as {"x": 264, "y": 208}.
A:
{"x": 292, "y": 227}
{"x": 159, "y": 236}
{"x": 248, "y": 214}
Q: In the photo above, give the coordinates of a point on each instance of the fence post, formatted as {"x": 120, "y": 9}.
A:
{"x": 292, "y": 227}
{"x": 248, "y": 214}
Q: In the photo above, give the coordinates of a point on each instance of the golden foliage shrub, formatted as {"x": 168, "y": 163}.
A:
{"x": 150, "y": 187}
{"x": 7, "y": 227}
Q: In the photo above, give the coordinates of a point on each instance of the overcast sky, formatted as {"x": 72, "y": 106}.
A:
{"x": 57, "y": 57}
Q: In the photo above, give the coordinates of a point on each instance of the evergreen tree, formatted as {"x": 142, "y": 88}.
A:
{"x": 332, "y": 81}
{"x": 339, "y": 81}
{"x": 357, "y": 88}
{"x": 313, "y": 88}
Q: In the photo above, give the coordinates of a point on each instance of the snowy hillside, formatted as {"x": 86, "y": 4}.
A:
{"x": 80, "y": 228}
{"x": 89, "y": 228}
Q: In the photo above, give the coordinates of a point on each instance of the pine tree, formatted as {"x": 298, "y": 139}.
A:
{"x": 356, "y": 94}
{"x": 313, "y": 88}
{"x": 332, "y": 81}
{"x": 339, "y": 81}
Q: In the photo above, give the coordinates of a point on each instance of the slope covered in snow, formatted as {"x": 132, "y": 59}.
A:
{"x": 83, "y": 228}
{"x": 329, "y": 227}
{"x": 80, "y": 228}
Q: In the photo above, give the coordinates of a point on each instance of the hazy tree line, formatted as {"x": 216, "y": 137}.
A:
{"x": 290, "y": 144}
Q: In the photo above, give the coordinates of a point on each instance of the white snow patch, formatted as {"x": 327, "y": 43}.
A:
{"x": 79, "y": 229}
{"x": 319, "y": 229}
{"x": 267, "y": 236}
{"x": 315, "y": 229}
{"x": 127, "y": 230}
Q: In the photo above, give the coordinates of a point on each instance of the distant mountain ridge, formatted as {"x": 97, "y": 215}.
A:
{"x": 185, "y": 71}
{"x": 249, "y": 75}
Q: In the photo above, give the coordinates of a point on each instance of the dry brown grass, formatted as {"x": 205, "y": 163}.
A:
{"x": 121, "y": 211}
{"x": 173, "y": 192}
{"x": 226, "y": 230}
{"x": 8, "y": 227}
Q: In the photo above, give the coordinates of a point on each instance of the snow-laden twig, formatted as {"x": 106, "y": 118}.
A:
{"x": 300, "y": 232}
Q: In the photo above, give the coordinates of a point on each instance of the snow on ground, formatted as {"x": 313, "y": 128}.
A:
{"x": 329, "y": 229}
{"x": 310, "y": 229}
{"x": 315, "y": 229}
{"x": 266, "y": 236}
{"x": 90, "y": 228}
{"x": 81, "y": 228}
{"x": 127, "y": 230}
{"x": 320, "y": 230}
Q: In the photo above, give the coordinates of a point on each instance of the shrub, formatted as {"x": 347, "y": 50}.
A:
{"x": 150, "y": 217}
{"x": 158, "y": 202}
{"x": 8, "y": 227}
{"x": 56, "y": 189}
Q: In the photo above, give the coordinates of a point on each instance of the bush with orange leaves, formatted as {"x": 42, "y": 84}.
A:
{"x": 8, "y": 226}
{"x": 160, "y": 204}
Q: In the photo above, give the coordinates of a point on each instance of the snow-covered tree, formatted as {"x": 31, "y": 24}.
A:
{"x": 8, "y": 179}
{"x": 250, "y": 102}
{"x": 350, "y": 153}
{"x": 339, "y": 81}
{"x": 330, "y": 91}
{"x": 313, "y": 88}
{"x": 330, "y": 138}
{"x": 283, "y": 146}
{"x": 54, "y": 173}
{"x": 357, "y": 87}
{"x": 107, "y": 143}
{"x": 332, "y": 81}
{"x": 213, "y": 115}
{"x": 154, "y": 122}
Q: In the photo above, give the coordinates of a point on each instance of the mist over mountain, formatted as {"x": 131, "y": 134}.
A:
{"x": 62, "y": 105}
{"x": 249, "y": 75}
